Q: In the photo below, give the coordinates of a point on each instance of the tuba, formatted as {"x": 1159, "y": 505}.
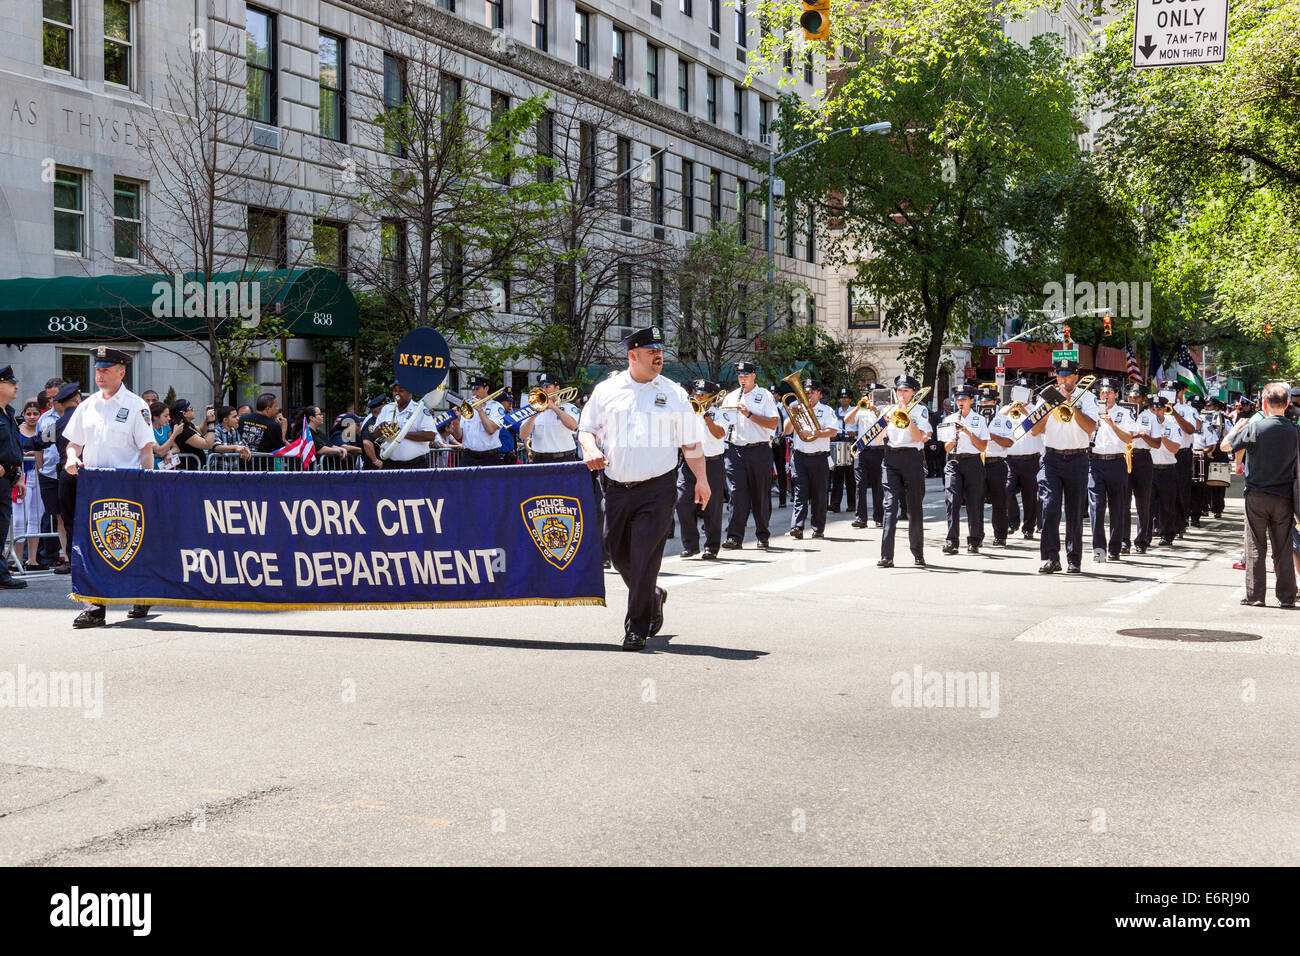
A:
{"x": 797, "y": 407}
{"x": 902, "y": 417}
{"x": 385, "y": 432}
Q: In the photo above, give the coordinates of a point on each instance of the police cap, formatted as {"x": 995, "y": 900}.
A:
{"x": 106, "y": 358}
{"x": 7, "y": 374}
{"x": 906, "y": 381}
{"x": 66, "y": 392}
{"x": 746, "y": 368}
{"x": 648, "y": 338}
{"x": 1065, "y": 367}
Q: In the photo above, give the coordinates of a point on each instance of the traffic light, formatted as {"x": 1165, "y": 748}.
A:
{"x": 1268, "y": 330}
{"x": 1066, "y": 330}
{"x": 816, "y": 20}
{"x": 1106, "y": 326}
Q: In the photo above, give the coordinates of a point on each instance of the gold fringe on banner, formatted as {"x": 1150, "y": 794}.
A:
{"x": 264, "y": 606}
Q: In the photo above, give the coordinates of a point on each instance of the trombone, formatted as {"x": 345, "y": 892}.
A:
{"x": 700, "y": 407}
{"x": 538, "y": 398}
{"x": 468, "y": 409}
{"x": 902, "y": 417}
{"x": 1065, "y": 413}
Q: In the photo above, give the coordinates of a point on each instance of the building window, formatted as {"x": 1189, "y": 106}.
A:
{"x": 715, "y": 196}
{"x": 582, "y": 39}
{"x": 807, "y": 66}
{"x": 715, "y": 15}
{"x": 812, "y": 234}
{"x": 58, "y": 37}
{"x": 688, "y": 195}
{"x": 812, "y": 310}
{"x": 657, "y": 298}
{"x": 787, "y": 224}
{"x": 652, "y": 70}
{"x": 69, "y": 211}
{"x": 618, "y": 73}
{"x": 740, "y": 23}
{"x": 500, "y": 287}
{"x": 496, "y": 17}
{"x": 863, "y": 313}
{"x": 625, "y": 294}
{"x": 742, "y": 220}
{"x": 787, "y": 58}
{"x": 546, "y": 146}
{"x": 623, "y": 157}
{"x": 738, "y": 110}
{"x": 392, "y": 252}
{"x": 266, "y": 246}
{"x": 764, "y": 117}
{"x": 684, "y": 85}
{"x": 394, "y": 97}
{"x": 119, "y": 41}
{"x": 500, "y": 106}
{"x": 685, "y": 7}
{"x": 448, "y": 5}
{"x": 128, "y": 219}
{"x": 711, "y": 98}
{"x": 329, "y": 246}
{"x": 586, "y": 162}
{"x": 260, "y": 27}
{"x": 539, "y": 24}
{"x": 657, "y": 190}
{"x": 332, "y": 74}
{"x": 685, "y": 336}
{"x": 449, "y": 105}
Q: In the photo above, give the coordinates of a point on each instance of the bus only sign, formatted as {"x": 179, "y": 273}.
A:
{"x": 1180, "y": 32}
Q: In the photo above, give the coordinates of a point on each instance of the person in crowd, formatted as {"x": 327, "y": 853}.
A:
{"x": 28, "y": 512}
{"x": 263, "y": 430}
{"x": 188, "y": 439}
{"x": 245, "y": 409}
{"x": 66, "y": 499}
{"x": 149, "y": 396}
{"x": 509, "y": 436}
{"x": 164, "y": 449}
{"x": 226, "y": 441}
{"x": 313, "y": 419}
{"x": 52, "y": 387}
{"x": 55, "y": 555}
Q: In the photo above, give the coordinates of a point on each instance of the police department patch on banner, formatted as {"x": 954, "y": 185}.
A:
{"x": 116, "y": 530}
{"x": 555, "y": 524}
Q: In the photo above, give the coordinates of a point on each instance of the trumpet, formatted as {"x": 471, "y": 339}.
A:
{"x": 866, "y": 403}
{"x": 1065, "y": 413}
{"x": 468, "y": 409}
{"x": 699, "y": 408}
{"x": 1016, "y": 411}
{"x": 538, "y": 398}
{"x": 902, "y": 417}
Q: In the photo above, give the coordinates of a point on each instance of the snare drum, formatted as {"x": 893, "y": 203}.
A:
{"x": 1219, "y": 474}
{"x": 842, "y": 454}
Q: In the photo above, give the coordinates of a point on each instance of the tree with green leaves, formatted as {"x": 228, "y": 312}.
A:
{"x": 801, "y": 346}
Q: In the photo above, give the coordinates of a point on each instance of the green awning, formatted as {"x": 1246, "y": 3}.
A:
{"x": 115, "y": 308}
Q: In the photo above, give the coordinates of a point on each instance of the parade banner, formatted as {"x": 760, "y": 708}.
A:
{"x": 455, "y": 537}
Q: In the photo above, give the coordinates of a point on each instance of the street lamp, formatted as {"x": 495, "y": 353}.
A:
{"x": 770, "y": 218}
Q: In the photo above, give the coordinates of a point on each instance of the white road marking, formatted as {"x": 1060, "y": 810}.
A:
{"x": 803, "y": 579}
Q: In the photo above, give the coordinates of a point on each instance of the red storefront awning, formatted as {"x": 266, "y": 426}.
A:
{"x": 1036, "y": 357}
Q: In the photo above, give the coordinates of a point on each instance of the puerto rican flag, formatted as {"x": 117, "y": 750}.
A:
{"x": 303, "y": 448}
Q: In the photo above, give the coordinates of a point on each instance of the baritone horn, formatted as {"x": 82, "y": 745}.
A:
{"x": 902, "y": 417}
{"x": 801, "y": 413}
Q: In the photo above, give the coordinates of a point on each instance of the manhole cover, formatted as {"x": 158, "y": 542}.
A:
{"x": 1187, "y": 634}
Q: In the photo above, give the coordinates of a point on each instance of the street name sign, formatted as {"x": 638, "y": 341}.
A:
{"x": 999, "y": 350}
{"x": 1180, "y": 32}
{"x": 1069, "y": 355}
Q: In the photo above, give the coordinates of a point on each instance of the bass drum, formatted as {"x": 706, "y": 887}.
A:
{"x": 842, "y": 454}
{"x": 1219, "y": 474}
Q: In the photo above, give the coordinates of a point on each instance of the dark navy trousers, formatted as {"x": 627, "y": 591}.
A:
{"x": 749, "y": 486}
{"x": 963, "y": 484}
{"x": 1022, "y": 478}
{"x": 904, "y": 476}
{"x": 1108, "y": 491}
{"x": 1063, "y": 491}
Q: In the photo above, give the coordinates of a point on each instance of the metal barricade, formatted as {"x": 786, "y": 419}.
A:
{"x": 14, "y": 546}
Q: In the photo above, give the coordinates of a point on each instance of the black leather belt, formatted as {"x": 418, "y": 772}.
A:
{"x": 636, "y": 484}
{"x": 1114, "y": 457}
{"x": 1034, "y": 455}
{"x": 1067, "y": 452}
{"x": 752, "y": 444}
{"x": 964, "y": 456}
{"x": 895, "y": 449}
{"x": 1162, "y": 467}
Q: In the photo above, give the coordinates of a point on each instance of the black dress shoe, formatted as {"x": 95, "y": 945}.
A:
{"x": 762, "y": 545}
{"x": 91, "y": 617}
{"x": 884, "y": 563}
{"x": 1138, "y": 549}
{"x": 796, "y": 533}
{"x": 1287, "y": 605}
{"x": 657, "y": 621}
{"x": 11, "y": 584}
{"x": 973, "y": 549}
{"x": 1013, "y": 530}
{"x": 1073, "y": 569}
{"x": 878, "y": 524}
{"x": 1249, "y": 603}
{"x": 1000, "y": 542}
{"x": 633, "y": 642}
{"x": 1114, "y": 557}
{"x": 949, "y": 549}
{"x": 731, "y": 544}
{"x": 689, "y": 552}
{"x": 1050, "y": 567}
{"x": 709, "y": 555}
{"x": 858, "y": 524}
{"x": 1125, "y": 549}
{"x": 606, "y": 564}
{"x": 138, "y": 611}
{"x": 819, "y": 534}
{"x": 63, "y": 569}
{"x": 1028, "y": 536}
{"x": 918, "y": 563}
{"x": 835, "y": 510}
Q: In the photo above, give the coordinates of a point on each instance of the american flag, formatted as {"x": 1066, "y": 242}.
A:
{"x": 1134, "y": 369}
{"x": 303, "y": 448}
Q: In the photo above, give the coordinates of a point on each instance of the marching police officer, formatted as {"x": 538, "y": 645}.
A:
{"x": 110, "y": 429}
{"x": 1214, "y": 432}
{"x": 1146, "y": 429}
{"x": 1164, "y": 473}
{"x": 11, "y": 466}
{"x": 1188, "y": 421}
{"x": 867, "y": 466}
{"x": 1108, "y": 473}
{"x": 366, "y": 437}
{"x": 904, "y": 473}
{"x": 413, "y": 450}
{"x": 552, "y": 432}
{"x": 714, "y": 449}
{"x": 1024, "y": 458}
{"x": 632, "y": 428}
{"x": 963, "y": 473}
{"x": 1063, "y": 475}
{"x": 481, "y": 445}
{"x": 811, "y": 465}
{"x": 842, "y": 477}
{"x": 995, "y": 460}
{"x": 753, "y": 419}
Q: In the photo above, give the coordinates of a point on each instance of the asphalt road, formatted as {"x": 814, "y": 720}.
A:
{"x": 773, "y": 721}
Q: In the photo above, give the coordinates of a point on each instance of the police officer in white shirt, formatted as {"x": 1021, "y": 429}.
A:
{"x": 481, "y": 445}
{"x": 751, "y": 412}
{"x": 1145, "y": 427}
{"x": 1108, "y": 476}
{"x": 551, "y": 434}
{"x": 1164, "y": 473}
{"x": 995, "y": 460}
{"x": 368, "y": 441}
{"x": 1213, "y": 432}
{"x": 867, "y": 466}
{"x": 1063, "y": 475}
{"x": 904, "y": 473}
{"x": 1188, "y": 421}
{"x": 413, "y": 450}
{"x": 1024, "y": 458}
{"x": 963, "y": 473}
{"x": 811, "y": 464}
{"x": 843, "y": 481}
{"x": 713, "y": 429}
{"x": 632, "y": 428}
{"x": 110, "y": 429}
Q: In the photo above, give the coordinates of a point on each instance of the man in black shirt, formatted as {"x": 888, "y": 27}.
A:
{"x": 259, "y": 430}
{"x": 1270, "y": 445}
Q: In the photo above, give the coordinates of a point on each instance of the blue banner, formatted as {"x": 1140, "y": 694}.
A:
{"x": 455, "y": 537}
